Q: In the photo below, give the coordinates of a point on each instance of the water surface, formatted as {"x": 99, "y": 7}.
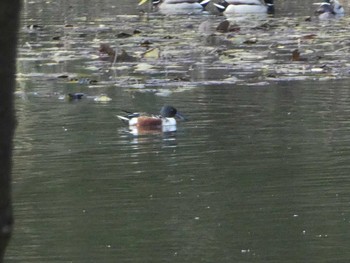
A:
{"x": 259, "y": 173}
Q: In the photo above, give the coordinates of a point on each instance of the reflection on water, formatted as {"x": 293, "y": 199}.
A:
{"x": 258, "y": 174}
{"x": 137, "y": 136}
{"x": 166, "y": 130}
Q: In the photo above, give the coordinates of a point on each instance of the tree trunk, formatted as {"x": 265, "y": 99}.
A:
{"x": 9, "y": 17}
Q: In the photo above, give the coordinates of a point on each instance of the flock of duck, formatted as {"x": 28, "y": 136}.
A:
{"x": 166, "y": 120}
{"x": 326, "y": 9}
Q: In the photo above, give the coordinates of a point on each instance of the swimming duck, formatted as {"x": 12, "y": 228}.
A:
{"x": 165, "y": 121}
{"x": 330, "y": 9}
{"x": 178, "y": 6}
{"x": 231, "y": 7}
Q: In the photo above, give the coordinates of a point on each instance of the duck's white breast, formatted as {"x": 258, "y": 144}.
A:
{"x": 247, "y": 2}
{"x": 133, "y": 122}
{"x": 168, "y": 122}
{"x": 245, "y": 9}
{"x": 180, "y": 8}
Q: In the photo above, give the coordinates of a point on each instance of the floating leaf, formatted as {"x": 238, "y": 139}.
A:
{"x": 254, "y": 51}
{"x": 152, "y": 53}
{"x": 144, "y": 67}
{"x": 102, "y": 98}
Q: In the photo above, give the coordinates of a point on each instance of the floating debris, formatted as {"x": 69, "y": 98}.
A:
{"x": 225, "y": 26}
{"x": 296, "y": 56}
{"x": 75, "y": 96}
{"x": 113, "y": 56}
{"x": 146, "y": 43}
{"x": 123, "y": 35}
{"x": 162, "y": 58}
{"x": 145, "y": 67}
{"x": 83, "y": 81}
{"x": 102, "y": 98}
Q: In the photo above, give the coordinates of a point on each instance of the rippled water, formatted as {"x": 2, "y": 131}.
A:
{"x": 259, "y": 172}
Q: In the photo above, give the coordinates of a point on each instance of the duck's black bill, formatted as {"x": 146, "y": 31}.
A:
{"x": 181, "y": 116}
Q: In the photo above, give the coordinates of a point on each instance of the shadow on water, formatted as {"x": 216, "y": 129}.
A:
{"x": 258, "y": 174}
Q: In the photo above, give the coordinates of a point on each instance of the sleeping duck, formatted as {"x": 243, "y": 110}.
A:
{"x": 232, "y": 7}
{"x": 330, "y": 9}
{"x": 178, "y": 6}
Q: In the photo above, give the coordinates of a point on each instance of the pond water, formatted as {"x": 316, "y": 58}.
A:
{"x": 259, "y": 172}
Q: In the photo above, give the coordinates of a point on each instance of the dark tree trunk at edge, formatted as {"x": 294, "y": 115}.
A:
{"x": 9, "y": 16}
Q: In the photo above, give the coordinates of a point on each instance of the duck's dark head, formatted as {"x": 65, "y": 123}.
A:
{"x": 170, "y": 112}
